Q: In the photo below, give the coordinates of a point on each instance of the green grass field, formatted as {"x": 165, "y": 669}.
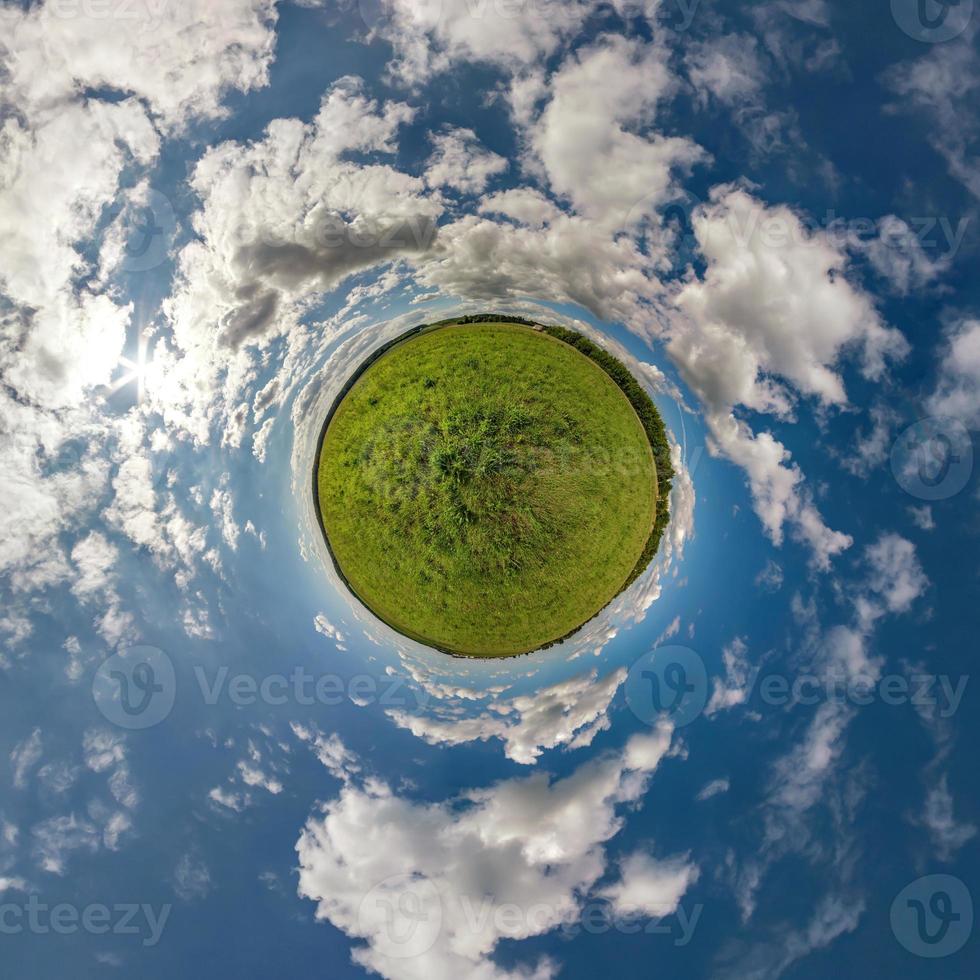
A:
{"x": 486, "y": 488}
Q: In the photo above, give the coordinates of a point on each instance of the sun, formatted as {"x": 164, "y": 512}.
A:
{"x": 134, "y": 372}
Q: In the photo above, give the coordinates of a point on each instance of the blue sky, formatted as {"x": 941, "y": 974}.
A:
{"x": 211, "y": 216}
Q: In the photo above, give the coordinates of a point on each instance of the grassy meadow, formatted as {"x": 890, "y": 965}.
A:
{"x": 486, "y": 488}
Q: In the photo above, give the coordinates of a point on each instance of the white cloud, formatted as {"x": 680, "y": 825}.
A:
{"x": 775, "y": 299}
{"x": 335, "y": 757}
{"x": 714, "y": 788}
{"x": 898, "y": 255}
{"x": 179, "y": 60}
{"x": 958, "y": 389}
{"x": 67, "y": 156}
{"x": 461, "y": 162}
{"x": 922, "y": 517}
{"x": 808, "y": 774}
{"x": 283, "y": 219}
{"x": 833, "y": 917}
{"x": 57, "y": 837}
{"x": 192, "y": 878}
{"x": 525, "y": 205}
{"x": 94, "y": 557}
{"x": 773, "y": 308}
{"x": 586, "y": 141}
{"x": 430, "y": 35}
{"x": 26, "y": 756}
{"x": 871, "y": 449}
{"x": 942, "y": 86}
{"x": 651, "y": 887}
{"x": 739, "y": 679}
{"x": 222, "y": 504}
{"x": 771, "y": 576}
{"x": 728, "y": 68}
{"x": 530, "y": 844}
{"x": 896, "y": 577}
{"x": 324, "y": 627}
{"x": 947, "y": 833}
{"x": 569, "y": 713}
{"x": 103, "y": 749}
{"x": 252, "y": 775}
{"x": 732, "y": 71}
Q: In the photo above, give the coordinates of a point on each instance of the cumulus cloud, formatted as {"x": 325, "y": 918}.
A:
{"x": 585, "y": 138}
{"x": 84, "y": 108}
{"x": 177, "y": 60}
{"x": 739, "y": 679}
{"x": 895, "y": 580}
{"x": 461, "y": 162}
{"x": 429, "y": 37}
{"x": 651, "y": 887}
{"x": 533, "y": 845}
{"x": 957, "y": 392}
{"x": 284, "y": 219}
{"x": 774, "y": 308}
{"x": 569, "y": 713}
{"x": 898, "y": 254}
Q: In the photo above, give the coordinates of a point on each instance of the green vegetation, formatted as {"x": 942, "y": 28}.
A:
{"x": 487, "y": 489}
{"x": 653, "y": 425}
